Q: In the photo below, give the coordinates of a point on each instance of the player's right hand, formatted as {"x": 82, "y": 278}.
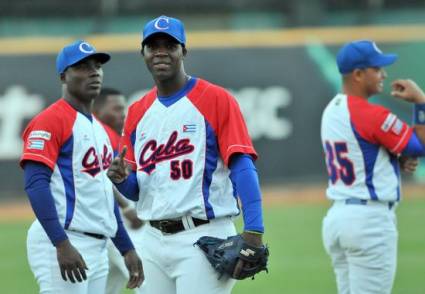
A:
{"x": 408, "y": 90}
{"x": 118, "y": 170}
{"x": 408, "y": 164}
{"x": 71, "y": 263}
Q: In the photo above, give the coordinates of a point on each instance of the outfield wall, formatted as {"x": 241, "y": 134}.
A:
{"x": 281, "y": 79}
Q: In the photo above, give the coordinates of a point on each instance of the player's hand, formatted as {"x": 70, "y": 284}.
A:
{"x": 408, "y": 164}
{"x": 131, "y": 215}
{"x": 408, "y": 90}
{"x": 71, "y": 263}
{"x": 135, "y": 269}
{"x": 118, "y": 170}
{"x": 252, "y": 239}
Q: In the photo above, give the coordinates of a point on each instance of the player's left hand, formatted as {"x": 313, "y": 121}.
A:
{"x": 408, "y": 164}
{"x": 135, "y": 269}
{"x": 252, "y": 239}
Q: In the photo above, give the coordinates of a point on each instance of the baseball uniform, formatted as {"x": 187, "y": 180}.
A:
{"x": 361, "y": 142}
{"x": 180, "y": 152}
{"x": 78, "y": 151}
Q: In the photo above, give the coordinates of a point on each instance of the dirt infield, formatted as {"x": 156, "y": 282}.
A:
{"x": 273, "y": 196}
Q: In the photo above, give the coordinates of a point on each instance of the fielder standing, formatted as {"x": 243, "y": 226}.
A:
{"x": 109, "y": 109}
{"x": 362, "y": 143}
{"x": 190, "y": 154}
{"x": 65, "y": 158}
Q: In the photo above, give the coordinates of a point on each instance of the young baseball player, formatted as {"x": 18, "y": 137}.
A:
{"x": 109, "y": 109}
{"x": 190, "y": 154}
{"x": 362, "y": 144}
{"x": 66, "y": 154}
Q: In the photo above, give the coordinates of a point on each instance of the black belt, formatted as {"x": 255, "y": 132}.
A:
{"x": 358, "y": 201}
{"x": 97, "y": 236}
{"x": 169, "y": 226}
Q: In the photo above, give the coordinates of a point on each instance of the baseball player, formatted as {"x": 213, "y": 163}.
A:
{"x": 109, "y": 109}
{"x": 65, "y": 158}
{"x": 362, "y": 144}
{"x": 190, "y": 154}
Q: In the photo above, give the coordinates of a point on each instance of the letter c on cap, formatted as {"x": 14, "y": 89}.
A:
{"x": 166, "y": 26}
{"x": 86, "y": 48}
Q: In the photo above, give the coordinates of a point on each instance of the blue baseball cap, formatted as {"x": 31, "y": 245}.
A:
{"x": 166, "y": 25}
{"x": 76, "y": 52}
{"x": 362, "y": 54}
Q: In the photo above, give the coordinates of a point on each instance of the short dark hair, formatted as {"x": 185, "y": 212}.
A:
{"x": 101, "y": 99}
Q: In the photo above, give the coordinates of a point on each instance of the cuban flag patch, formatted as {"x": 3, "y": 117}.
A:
{"x": 389, "y": 121}
{"x": 189, "y": 128}
{"x": 397, "y": 127}
{"x": 36, "y": 144}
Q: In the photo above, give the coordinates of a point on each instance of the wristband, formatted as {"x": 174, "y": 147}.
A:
{"x": 419, "y": 114}
{"x": 254, "y": 232}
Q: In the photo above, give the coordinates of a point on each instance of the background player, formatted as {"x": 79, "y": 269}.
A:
{"x": 362, "y": 143}
{"x": 109, "y": 108}
{"x": 66, "y": 154}
{"x": 188, "y": 147}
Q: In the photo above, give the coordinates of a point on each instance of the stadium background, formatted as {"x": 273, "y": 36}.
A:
{"x": 277, "y": 57}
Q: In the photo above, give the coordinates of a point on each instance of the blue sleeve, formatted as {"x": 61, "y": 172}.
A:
{"x": 37, "y": 186}
{"x": 414, "y": 147}
{"x": 243, "y": 175}
{"x": 129, "y": 188}
{"x": 121, "y": 240}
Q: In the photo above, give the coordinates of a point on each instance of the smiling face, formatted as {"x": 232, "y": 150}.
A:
{"x": 83, "y": 80}
{"x": 374, "y": 80}
{"x": 164, "y": 56}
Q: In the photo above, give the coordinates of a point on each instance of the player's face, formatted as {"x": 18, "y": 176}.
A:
{"x": 374, "y": 80}
{"x": 84, "y": 79}
{"x": 164, "y": 57}
{"x": 113, "y": 112}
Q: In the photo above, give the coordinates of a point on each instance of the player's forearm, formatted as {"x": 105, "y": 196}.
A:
{"x": 37, "y": 179}
{"x": 244, "y": 177}
{"x": 414, "y": 147}
{"x": 129, "y": 188}
{"x": 121, "y": 240}
{"x": 122, "y": 203}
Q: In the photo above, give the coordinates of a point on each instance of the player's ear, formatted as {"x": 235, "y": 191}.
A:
{"x": 142, "y": 51}
{"x": 358, "y": 74}
{"x": 62, "y": 77}
{"x": 184, "y": 50}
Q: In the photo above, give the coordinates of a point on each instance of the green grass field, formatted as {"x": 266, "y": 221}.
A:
{"x": 298, "y": 264}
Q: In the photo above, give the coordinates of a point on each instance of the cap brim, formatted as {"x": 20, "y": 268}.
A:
{"x": 385, "y": 60}
{"x": 100, "y": 56}
{"x": 146, "y": 38}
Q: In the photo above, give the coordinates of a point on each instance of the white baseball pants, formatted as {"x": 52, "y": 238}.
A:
{"x": 362, "y": 243}
{"x": 44, "y": 264}
{"x": 173, "y": 265}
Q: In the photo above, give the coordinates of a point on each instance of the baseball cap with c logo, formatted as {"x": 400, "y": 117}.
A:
{"x": 75, "y": 52}
{"x": 166, "y": 25}
{"x": 362, "y": 54}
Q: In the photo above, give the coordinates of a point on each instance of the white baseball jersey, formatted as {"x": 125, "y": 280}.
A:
{"x": 78, "y": 151}
{"x": 181, "y": 152}
{"x": 361, "y": 142}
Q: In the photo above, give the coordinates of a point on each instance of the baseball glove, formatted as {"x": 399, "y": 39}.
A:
{"x": 223, "y": 254}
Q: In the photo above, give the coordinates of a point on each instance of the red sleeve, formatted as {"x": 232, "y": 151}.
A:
{"x": 391, "y": 132}
{"x": 378, "y": 125}
{"x": 222, "y": 112}
{"x": 134, "y": 115}
{"x": 113, "y": 137}
{"x": 44, "y": 137}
